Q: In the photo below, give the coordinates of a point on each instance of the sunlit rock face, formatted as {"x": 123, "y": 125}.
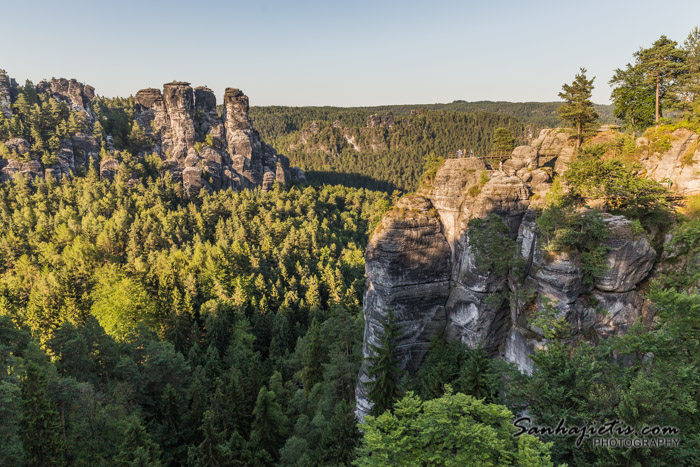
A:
{"x": 419, "y": 264}
{"x": 204, "y": 150}
{"x": 180, "y": 124}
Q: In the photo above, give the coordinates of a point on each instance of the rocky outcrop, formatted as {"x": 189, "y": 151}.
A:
{"x": 408, "y": 271}
{"x": 420, "y": 265}
{"x": 204, "y": 150}
{"x": 5, "y": 94}
{"x": 376, "y": 120}
{"x": 180, "y": 124}
{"x": 78, "y": 95}
{"x": 242, "y": 141}
{"x": 679, "y": 166}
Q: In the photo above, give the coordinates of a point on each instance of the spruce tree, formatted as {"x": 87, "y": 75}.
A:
{"x": 312, "y": 372}
{"x": 40, "y": 425}
{"x": 578, "y": 110}
{"x": 384, "y": 370}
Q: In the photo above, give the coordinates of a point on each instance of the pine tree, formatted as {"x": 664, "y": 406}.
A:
{"x": 662, "y": 63}
{"x": 384, "y": 370}
{"x": 689, "y": 92}
{"x": 137, "y": 448}
{"x": 578, "y": 109}
{"x": 312, "y": 372}
{"x": 340, "y": 436}
{"x": 633, "y": 98}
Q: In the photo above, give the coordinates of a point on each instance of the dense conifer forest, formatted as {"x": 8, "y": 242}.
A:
{"x": 343, "y": 145}
{"x": 142, "y": 325}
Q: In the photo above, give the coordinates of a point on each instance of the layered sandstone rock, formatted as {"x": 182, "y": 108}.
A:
{"x": 179, "y": 124}
{"x": 420, "y": 265}
{"x": 78, "y": 95}
{"x": 5, "y": 94}
{"x": 679, "y": 166}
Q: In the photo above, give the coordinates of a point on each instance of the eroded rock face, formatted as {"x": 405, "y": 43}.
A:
{"x": 408, "y": 271}
{"x": 5, "y": 95}
{"x": 205, "y": 150}
{"x": 180, "y": 124}
{"x": 78, "y": 95}
{"x": 679, "y": 165}
{"x": 419, "y": 264}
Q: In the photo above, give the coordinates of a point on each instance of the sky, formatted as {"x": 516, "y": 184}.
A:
{"x": 349, "y": 53}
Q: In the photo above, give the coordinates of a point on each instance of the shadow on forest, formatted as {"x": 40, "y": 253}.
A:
{"x": 353, "y": 180}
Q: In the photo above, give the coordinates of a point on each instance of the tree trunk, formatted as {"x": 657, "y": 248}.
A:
{"x": 658, "y": 80}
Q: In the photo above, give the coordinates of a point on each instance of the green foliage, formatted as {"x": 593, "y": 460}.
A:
{"x": 578, "y": 110}
{"x": 633, "y": 98}
{"x": 206, "y": 297}
{"x": 313, "y": 371}
{"x": 432, "y": 165}
{"x": 503, "y": 142}
{"x": 269, "y": 426}
{"x": 565, "y": 230}
{"x": 469, "y": 371}
{"x": 661, "y": 64}
{"x": 40, "y": 424}
{"x": 383, "y": 157}
{"x": 121, "y": 303}
{"x": 494, "y": 249}
{"x": 592, "y": 176}
{"x": 649, "y": 376}
{"x": 383, "y": 369}
{"x": 452, "y": 430}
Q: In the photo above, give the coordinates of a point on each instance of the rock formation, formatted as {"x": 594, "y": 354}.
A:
{"x": 420, "y": 265}
{"x": 5, "y": 94}
{"x": 205, "y": 150}
{"x": 78, "y": 95}
{"x": 180, "y": 124}
{"x": 677, "y": 166}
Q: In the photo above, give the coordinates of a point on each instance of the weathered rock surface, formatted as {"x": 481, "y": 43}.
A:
{"x": 5, "y": 95}
{"x": 376, "y": 120}
{"x": 680, "y": 165}
{"x": 205, "y": 150}
{"x": 419, "y": 264}
{"x": 408, "y": 271}
{"x": 180, "y": 124}
{"x": 78, "y": 95}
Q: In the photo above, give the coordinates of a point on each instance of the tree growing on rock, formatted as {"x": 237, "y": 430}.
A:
{"x": 633, "y": 98}
{"x": 662, "y": 63}
{"x": 503, "y": 142}
{"x": 577, "y": 109}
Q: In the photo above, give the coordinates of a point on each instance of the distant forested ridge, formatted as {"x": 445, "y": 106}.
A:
{"x": 275, "y": 121}
{"x": 386, "y": 147}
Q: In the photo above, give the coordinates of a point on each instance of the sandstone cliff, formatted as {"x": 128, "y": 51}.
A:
{"x": 181, "y": 125}
{"x": 419, "y": 264}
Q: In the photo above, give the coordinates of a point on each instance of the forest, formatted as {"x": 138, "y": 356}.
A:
{"x": 337, "y": 145}
{"x": 141, "y": 326}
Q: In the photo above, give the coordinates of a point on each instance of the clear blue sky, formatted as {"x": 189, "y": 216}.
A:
{"x": 337, "y": 53}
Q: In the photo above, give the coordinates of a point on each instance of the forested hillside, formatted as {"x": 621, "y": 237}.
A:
{"x": 142, "y": 328}
{"x": 275, "y": 121}
{"x": 389, "y": 152}
{"x": 386, "y": 147}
